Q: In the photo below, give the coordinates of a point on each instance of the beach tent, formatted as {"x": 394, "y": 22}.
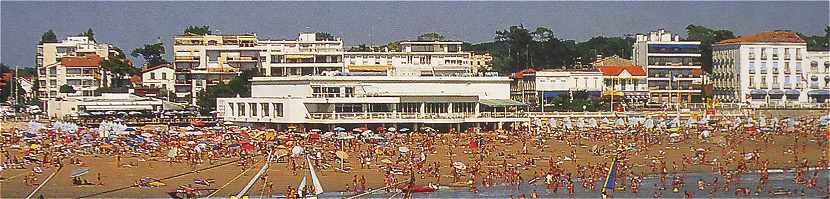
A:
{"x": 593, "y": 122}
{"x": 649, "y": 123}
{"x": 620, "y": 122}
{"x": 297, "y": 151}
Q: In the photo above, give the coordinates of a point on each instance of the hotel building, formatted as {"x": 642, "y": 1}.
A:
{"x": 768, "y": 68}
{"x": 81, "y": 71}
{"x": 417, "y": 58}
{"x": 673, "y": 66}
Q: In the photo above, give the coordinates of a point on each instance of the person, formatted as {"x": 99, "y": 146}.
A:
{"x": 99, "y": 179}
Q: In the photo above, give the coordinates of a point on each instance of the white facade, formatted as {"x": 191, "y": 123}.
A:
{"x": 369, "y": 99}
{"x": 566, "y": 81}
{"x": 417, "y": 58}
{"x": 673, "y": 66}
{"x": 121, "y": 102}
{"x": 776, "y": 72}
{"x": 84, "y": 74}
{"x": 51, "y": 76}
{"x": 163, "y": 77}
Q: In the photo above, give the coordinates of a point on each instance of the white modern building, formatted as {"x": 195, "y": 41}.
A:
{"x": 417, "y": 58}
{"x": 107, "y": 102}
{"x": 84, "y": 74}
{"x": 372, "y": 101}
{"x": 204, "y": 60}
{"x": 673, "y": 66}
{"x": 51, "y": 73}
{"x": 768, "y": 68}
{"x": 552, "y": 83}
{"x": 161, "y": 77}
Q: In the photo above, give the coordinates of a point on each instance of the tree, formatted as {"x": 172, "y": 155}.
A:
{"x": 153, "y": 54}
{"x": 49, "y": 37}
{"x": 238, "y": 86}
{"x": 817, "y": 42}
{"x": 119, "y": 67}
{"x": 198, "y": 30}
{"x": 707, "y": 37}
{"x": 360, "y": 48}
{"x": 518, "y": 40}
{"x": 431, "y": 36}
{"x": 66, "y": 88}
{"x": 324, "y": 36}
{"x": 89, "y": 34}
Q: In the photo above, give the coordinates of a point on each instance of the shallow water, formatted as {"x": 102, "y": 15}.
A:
{"x": 782, "y": 180}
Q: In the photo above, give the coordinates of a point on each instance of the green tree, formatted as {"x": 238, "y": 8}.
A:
{"x": 324, "y": 36}
{"x": 119, "y": 67}
{"x": 518, "y": 40}
{"x": 49, "y": 37}
{"x": 238, "y": 86}
{"x": 153, "y": 54}
{"x": 89, "y": 34}
{"x": 431, "y": 36}
{"x": 360, "y": 48}
{"x": 817, "y": 42}
{"x": 707, "y": 37}
{"x": 66, "y": 88}
{"x": 198, "y": 30}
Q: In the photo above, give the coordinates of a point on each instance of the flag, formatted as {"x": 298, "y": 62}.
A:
{"x": 612, "y": 173}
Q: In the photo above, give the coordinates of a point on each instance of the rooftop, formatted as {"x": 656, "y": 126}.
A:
{"x": 766, "y": 37}
{"x": 617, "y": 70}
{"x": 90, "y": 60}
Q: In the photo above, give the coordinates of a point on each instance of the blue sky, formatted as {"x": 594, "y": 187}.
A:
{"x": 132, "y": 24}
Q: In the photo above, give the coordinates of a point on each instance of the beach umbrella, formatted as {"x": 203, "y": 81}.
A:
{"x": 386, "y": 161}
{"x": 172, "y": 152}
{"x": 580, "y": 122}
{"x": 392, "y": 129}
{"x": 459, "y": 165}
{"x": 606, "y": 121}
{"x": 553, "y": 122}
{"x": 674, "y": 135}
{"x": 620, "y": 122}
{"x": 762, "y": 122}
{"x": 593, "y": 122}
{"x": 297, "y": 151}
{"x": 738, "y": 121}
{"x": 649, "y": 123}
{"x": 316, "y": 130}
{"x": 146, "y": 135}
{"x": 691, "y": 122}
{"x": 79, "y": 172}
{"x": 342, "y": 155}
{"x": 404, "y": 130}
{"x": 339, "y": 129}
{"x": 403, "y": 149}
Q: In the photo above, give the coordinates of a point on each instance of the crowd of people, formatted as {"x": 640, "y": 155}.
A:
{"x": 569, "y": 154}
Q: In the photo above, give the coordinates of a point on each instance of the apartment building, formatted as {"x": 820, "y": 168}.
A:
{"x": 673, "y": 66}
{"x": 481, "y": 62}
{"x": 819, "y": 76}
{"x": 48, "y": 56}
{"x": 623, "y": 79}
{"x": 764, "y": 68}
{"x": 161, "y": 77}
{"x": 417, "y": 58}
{"x": 205, "y": 60}
{"x": 84, "y": 74}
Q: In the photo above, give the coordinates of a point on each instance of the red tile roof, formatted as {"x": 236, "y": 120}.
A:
{"x": 522, "y": 73}
{"x": 617, "y": 70}
{"x": 86, "y": 61}
{"x": 157, "y": 67}
{"x": 773, "y": 37}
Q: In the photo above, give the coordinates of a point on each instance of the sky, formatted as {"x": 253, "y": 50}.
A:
{"x": 130, "y": 25}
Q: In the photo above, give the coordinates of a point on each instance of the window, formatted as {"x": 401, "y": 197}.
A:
{"x": 751, "y": 68}
{"x": 774, "y": 67}
{"x": 277, "y": 109}
{"x": 265, "y": 110}
{"x": 763, "y": 67}
{"x": 787, "y": 82}
{"x": 798, "y": 54}
{"x": 241, "y": 108}
{"x": 787, "y": 67}
{"x": 751, "y": 53}
{"x": 786, "y": 53}
{"x": 763, "y": 82}
{"x": 797, "y": 67}
{"x": 775, "y": 53}
{"x": 164, "y": 76}
{"x": 253, "y": 109}
{"x": 764, "y": 53}
{"x": 152, "y": 75}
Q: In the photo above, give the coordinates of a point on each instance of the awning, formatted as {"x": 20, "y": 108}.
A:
{"x": 758, "y": 94}
{"x": 792, "y": 94}
{"x": 120, "y": 108}
{"x": 818, "y": 92}
{"x": 500, "y": 102}
{"x": 776, "y": 94}
{"x": 549, "y": 94}
{"x": 438, "y": 99}
{"x": 299, "y": 56}
{"x": 368, "y": 68}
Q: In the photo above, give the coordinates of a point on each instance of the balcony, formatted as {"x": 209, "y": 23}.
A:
{"x": 242, "y": 59}
{"x": 187, "y": 58}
